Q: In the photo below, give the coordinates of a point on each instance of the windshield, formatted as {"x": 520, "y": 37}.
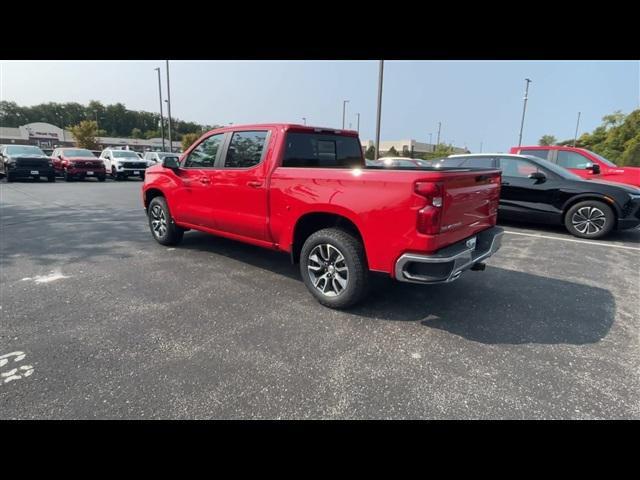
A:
{"x": 162, "y": 155}
{"x": 23, "y": 150}
{"x": 77, "y": 152}
{"x": 562, "y": 172}
{"x": 125, "y": 154}
{"x": 602, "y": 159}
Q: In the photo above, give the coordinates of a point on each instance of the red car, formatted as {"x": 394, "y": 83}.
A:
{"x": 584, "y": 163}
{"x": 307, "y": 191}
{"x": 78, "y": 163}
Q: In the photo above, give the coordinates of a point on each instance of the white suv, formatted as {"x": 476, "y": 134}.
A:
{"x": 157, "y": 157}
{"x": 123, "y": 163}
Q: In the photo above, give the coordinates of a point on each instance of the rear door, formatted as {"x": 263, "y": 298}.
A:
{"x": 237, "y": 190}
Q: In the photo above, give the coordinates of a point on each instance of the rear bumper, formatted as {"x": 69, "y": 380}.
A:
{"x": 447, "y": 264}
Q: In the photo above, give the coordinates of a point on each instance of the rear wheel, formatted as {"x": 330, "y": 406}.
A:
{"x": 51, "y": 178}
{"x": 162, "y": 226}
{"x": 68, "y": 177}
{"x": 9, "y": 177}
{"x": 333, "y": 268}
{"x": 590, "y": 219}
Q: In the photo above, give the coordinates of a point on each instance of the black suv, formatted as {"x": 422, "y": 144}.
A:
{"x": 25, "y": 161}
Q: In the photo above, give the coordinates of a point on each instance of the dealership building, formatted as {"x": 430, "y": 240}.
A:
{"x": 406, "y": 146}
{"x": 45, "y": 135}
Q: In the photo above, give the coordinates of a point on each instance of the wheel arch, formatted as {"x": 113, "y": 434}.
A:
{"x": 311, "y": 222}
{"x": 591, "y": 196}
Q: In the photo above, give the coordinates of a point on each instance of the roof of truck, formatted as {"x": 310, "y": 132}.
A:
{"x": 285, "y": 126}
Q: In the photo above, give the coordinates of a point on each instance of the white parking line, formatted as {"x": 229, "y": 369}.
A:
{"x": 537, "y": 235}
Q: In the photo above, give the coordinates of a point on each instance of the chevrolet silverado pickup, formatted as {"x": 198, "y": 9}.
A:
{"x": 308, "y": 192}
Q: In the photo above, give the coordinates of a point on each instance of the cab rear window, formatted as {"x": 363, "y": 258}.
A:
{"x": 321, "y": 151}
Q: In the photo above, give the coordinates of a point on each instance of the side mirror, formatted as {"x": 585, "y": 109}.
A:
{"x": 539, "y": 177}
{"x": 594, "y": 167}
{"x": 171, "y": 162}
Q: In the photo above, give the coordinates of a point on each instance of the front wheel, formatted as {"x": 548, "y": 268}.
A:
{"x": 590, "y": 219}
{"x": 102, "y": 178}
{"x": 162, "y": 226}
{"x": 51, "y": 178}
{"x": 68, "y": 177}
{"x": 334, "y": 269}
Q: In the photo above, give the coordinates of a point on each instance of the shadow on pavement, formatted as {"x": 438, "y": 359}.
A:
{"x": 493, "y": 307}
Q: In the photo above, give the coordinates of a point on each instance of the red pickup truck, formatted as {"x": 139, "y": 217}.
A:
{"x": 307, "y": 191}
{"x": 584, "y": 163}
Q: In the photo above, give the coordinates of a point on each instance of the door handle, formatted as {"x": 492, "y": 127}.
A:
{"x": 254, "y": 184}
{"x": 204, "y": 180}
{"x": 505, "y": 184}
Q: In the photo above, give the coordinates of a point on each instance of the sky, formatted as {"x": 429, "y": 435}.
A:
{"x": 477, "y": 102}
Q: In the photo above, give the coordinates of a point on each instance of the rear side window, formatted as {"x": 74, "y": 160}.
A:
{"x": 569, "y": 159}
{"x": 322, "y": 151}
{"x": 536, "y": 153}
{"x": 479, "y": 162}
{"x": 245, "y": 149}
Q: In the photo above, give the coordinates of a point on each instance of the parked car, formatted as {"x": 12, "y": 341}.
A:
{"x": 157, "y": 157}
{"x": 121, "y": 164}
{"x": 78, "y": 163}
{"x": 583, "y": 163}
{"x": 398, "y": 162}
{"x": 537, "y": 190}
{"x": 303, "y": 190}
{"x": 25, "y": 161}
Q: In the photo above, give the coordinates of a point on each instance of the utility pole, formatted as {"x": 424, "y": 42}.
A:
{"x": 575, "y": 137}
{"x": 358, "y": 124}
{"x": 304, "y": 120}
{"x": 480, "y": 147}
{"x": 161, "y": 115}
{"x": 524, "y": 109}
{"x": 438, "y": 138}
{"x": 344, "y": 107}
{"x": 169, "y": 107}
{"x": 380, "y": 75}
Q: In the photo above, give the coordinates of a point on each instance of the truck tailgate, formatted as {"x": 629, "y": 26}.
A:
{"x": 470, "y": 203}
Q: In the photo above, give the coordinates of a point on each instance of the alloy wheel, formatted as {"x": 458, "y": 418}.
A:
{"x": 328, "y": 270}
{"x": 158, "y": 221}
{"x": 588, "y": 220}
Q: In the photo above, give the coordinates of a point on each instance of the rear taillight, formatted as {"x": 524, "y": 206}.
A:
{"x": 430, "y": 216}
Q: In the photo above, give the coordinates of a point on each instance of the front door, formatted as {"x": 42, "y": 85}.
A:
{"x": 194, "y": 199}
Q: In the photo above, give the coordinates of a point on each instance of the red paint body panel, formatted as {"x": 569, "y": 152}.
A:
{"x": 628, "y": 175}
{"x": 262, "y": 204}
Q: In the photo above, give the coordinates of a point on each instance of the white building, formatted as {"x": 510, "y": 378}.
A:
{"x": 45, "y": 135}
{"x": 410, "y": 146}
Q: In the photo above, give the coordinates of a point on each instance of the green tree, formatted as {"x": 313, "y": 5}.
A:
{"x": 85, "y": 134}
{"x": 136, "y": 133}
{"x": 547, "y": 140}
{"x": 370, "y": 153}
{"x": 188, "y": 139}
{"x": 392, "y": 152}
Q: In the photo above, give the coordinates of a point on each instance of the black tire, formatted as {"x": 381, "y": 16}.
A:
{"x": 590, "y": 219}
{"x": 102, "y": 178}
{"x": 51, "y": 178}
{"x": 172, "y": 234}
{"x": 114, "y": 174}
{"x": 9, "y": 178}
{"x": 142, "y": 177}
{"x": 67, "y": 177}
{"x": 357, "y": 274}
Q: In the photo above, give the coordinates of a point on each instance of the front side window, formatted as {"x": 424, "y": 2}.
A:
{"x": 322, "y": 151}
{"x": 543, "y": 153}
{"x": 517, "y": 167}
{"x": 245, "y": 149}
{"x": 569, "y": 159}
{"x": 205, "y": 154}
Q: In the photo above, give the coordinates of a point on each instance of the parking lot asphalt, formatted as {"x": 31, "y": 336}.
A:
{"x": 99, "y": 321}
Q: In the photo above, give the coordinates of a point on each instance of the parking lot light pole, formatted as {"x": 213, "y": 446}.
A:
{"x": 380, "y": 76}
{"x": 438, "y": 138}
{"x": 304, "y": 120}
{"x": 161, "y": 115}
{"x": 169, "y": 107}
{"x": 344, "y": 109}
{"x": 358, "y": 124}
{"x": 575, "y": 137}
{"x": 524, "y": 109}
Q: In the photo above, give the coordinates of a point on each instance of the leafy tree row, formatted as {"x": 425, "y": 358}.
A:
{"x": 112, "y": 120}
{"x": 617, "y": 138}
